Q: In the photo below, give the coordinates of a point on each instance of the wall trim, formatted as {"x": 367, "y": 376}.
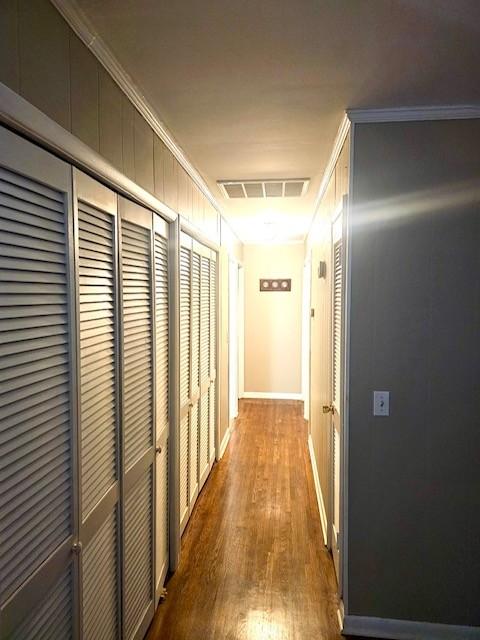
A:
{"x": 391, "y": 629}
{"x": 271, "y": 395}
{"x": 406, "y": 114}
{"x": 340, "y": 138}
{"x": 318, "y": 490}
{"x": 224, "y": 443}
{"x": 78, "y": 21}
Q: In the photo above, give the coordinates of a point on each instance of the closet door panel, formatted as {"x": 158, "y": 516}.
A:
{"x": 162, "y": 344}
{"x": 213, "y": 358}
{"x": 37, "y": 369}
{"x": 194, "y": 379}
{"x": 185, "y": 389}
{"x": 99, "y": 437}
{"x": 138, "y": 414}
{"x": 204, "y": 456}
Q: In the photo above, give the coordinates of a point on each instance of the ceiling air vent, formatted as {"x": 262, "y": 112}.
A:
{"x": 292, "y": 188}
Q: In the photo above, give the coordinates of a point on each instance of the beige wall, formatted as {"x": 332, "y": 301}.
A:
{"x": 273, "y": 321}
{"x": 414, "y": 486}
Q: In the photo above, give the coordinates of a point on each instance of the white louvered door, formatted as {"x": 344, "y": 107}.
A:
{"x": 37, "y": 379}
{"x": 137, "y": 383}
{"x": 336, "y": 382}
{"x": 212, "y": 399}
{"x": 204, "y": 454}
{"x": 185, "y": 363}
{"x": 194, "y": 379}
{"x": 98, "y": 406}
{"x": 162, "y": 401}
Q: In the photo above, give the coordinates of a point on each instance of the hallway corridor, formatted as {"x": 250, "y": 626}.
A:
{"x": 253, "y": 564}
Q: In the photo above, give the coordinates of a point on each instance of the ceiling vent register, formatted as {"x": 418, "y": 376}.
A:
{"x": 292, "y": 188}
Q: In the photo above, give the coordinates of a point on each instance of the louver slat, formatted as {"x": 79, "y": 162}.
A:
{"x": 52, "y": 619}
{"x": 97, "y": 376}
{"x": 35, "y": 473}
{"x": 138, "y": 553}
{"x": 100, "y": 571}
{"x": 138, "y": 416}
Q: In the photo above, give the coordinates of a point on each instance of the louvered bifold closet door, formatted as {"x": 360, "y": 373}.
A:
{"x": 185, "y": 363}
{"x": 138, "y": 434}
{"x": 194, "y": 380}
{"x": 212, "y": 400}
{"x": 162, "y": 400}
{"x": 96, "y": 211}
{"x": 37, "y": 378}
{"x": 204, "y": 456}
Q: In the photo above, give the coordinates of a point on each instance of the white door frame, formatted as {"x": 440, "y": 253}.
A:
{"x": 233, "y": 342}
{"x": 306, "y": 338}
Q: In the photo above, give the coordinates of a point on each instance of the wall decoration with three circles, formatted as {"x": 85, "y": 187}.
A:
{"x": 275, "y": 284}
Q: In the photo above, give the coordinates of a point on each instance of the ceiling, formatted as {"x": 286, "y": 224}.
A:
{"x": 256, "y": 89}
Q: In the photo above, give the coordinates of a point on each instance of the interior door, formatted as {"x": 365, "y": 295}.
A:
{"x": 185, "y": 369}
{"x": 204, "y": 452}
{"x": 213, "y": 359}
{"x": 233, "y": 340}
{"x": 38, "y": 515}
{"x": 336, "y": 381}
{"x": 194, "y": 377}
{"x": 162, "y": 414}
{"x": 98, "y": 406}
{"x": 136, "y": 278}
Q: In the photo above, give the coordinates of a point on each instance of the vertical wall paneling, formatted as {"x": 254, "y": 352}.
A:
{"x": 110, "y": 120}
{"x": 158, "y": 168}
{"x": 9, "y": 67}
{"x": 128, "y": 138}
{"x": 162, "y": 414}
{"x": 37, "y": 404}
{"x": 136, "y": 277}
{"x": 143, "y": 153}
{"x": 84, "y": 93}
{"x": 98, "y": 406}
{"x": 44, "y": 53}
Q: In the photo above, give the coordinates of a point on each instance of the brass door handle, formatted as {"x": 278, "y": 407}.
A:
{"x": 328, "y": 408}
{"x": 158, "y": 449}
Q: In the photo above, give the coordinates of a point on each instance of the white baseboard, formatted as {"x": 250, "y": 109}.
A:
{"x": 224, "y": 442}
{"x": 269, "y": 395}
{"x": 318, "y": 490}
{"x": 406, "y": 629}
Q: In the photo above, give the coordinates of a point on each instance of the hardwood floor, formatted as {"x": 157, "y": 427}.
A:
{"x": 253, "y": 565}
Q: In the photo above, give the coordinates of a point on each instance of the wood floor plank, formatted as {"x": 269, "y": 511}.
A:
{"x": 253, "y": 565}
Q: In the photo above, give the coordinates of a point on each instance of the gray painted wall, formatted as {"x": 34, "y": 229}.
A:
{"x": 414, "y": 490}
{"x": 43, "y": 60}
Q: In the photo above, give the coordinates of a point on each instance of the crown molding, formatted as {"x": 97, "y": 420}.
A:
{"x": 410, "y": 114}
{"x": 84, "y": 29}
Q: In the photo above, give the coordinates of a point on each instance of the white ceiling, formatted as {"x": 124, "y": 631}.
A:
{"x": 257, "y": 88}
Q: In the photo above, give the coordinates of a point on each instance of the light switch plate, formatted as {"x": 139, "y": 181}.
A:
{"x": 381, "y": 403}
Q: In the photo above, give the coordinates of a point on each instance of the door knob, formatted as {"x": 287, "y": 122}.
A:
{"x": 328, "y": 408}
{"x": 158, "y": 449}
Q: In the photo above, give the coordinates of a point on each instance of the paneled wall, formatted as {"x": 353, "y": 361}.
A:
{"x": 43, "y": 60}
{"x": 414, "y": 486}
{"x": 319, "y": 246}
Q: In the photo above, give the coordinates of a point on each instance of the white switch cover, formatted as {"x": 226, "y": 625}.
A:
{"x": 381, "y": 403}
